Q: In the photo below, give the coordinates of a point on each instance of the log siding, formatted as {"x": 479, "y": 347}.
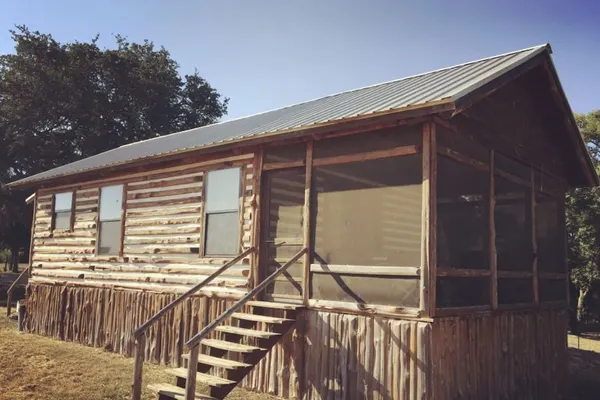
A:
{"x": 162, "y": 233}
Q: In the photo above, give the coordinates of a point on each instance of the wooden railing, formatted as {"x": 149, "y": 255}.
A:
{"x": 140, "y": 333}
{"x": 194, "y": 343}
{"x": 10, "y": 289}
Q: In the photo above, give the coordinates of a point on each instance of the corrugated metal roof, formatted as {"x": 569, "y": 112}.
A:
{"x": 447, "y": 84}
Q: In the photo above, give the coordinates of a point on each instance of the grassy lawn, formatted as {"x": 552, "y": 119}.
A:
{"x": 36, "y": 367}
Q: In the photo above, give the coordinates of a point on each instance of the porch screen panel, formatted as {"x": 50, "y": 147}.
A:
{"x": 369, "y": 141}
{"x": 368, "y": 214}
{"x": 284, "y": 237}
{"x": 462, "y": 233}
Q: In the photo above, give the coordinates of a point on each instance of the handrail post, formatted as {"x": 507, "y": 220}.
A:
{"x": 10, "y": 289}
{"x": 190, "y": 383}
{"x": 138, "y": 366}
{"x": 194, "y": 341}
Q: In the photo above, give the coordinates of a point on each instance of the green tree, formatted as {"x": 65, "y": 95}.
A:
{"x": 60, "y": 102}
{"x": 583, "y": 219}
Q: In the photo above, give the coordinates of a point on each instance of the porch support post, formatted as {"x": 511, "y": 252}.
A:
{"x": 307, "y": 223}
{"x": 429, "y": 222}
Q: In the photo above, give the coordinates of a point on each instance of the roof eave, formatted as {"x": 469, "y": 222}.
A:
{"x": 430, "y": 108}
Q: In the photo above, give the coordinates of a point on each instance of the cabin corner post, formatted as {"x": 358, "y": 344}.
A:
{"x": 429, "y": 223}
{"x": 307, "y": 223}
{"x": 536, "y": 293}
{"x": 32, "y": 238}
{"x": 256, "y": 205}
{"x": 492, "y": 232}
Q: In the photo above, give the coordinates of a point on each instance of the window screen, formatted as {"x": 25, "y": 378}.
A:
{"x": 109, "y": 234}
{"x": 369, "y": 213}
{"x": 63, "y": 207}
{"x": 221, "y": 232}
{"x": 462, "y": 210}
{"x": 513, "y": 221}
{"x": 549, "y": 235}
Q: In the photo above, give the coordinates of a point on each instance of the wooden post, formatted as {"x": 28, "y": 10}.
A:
{"x": 31, "y": 240}
{"x": 73, "y": 207}
{"x": 190, "y": 383}
{"x": 536, "y": 296}
{"x": 8, "y": 302}
{"x": 123, "y": 215}
{"x": 256, "y": 204}
{"x": 138, "y": 367}
{"x": 428, "y": 221}
{"x": 21, "y": 315}
{"x": 307, "y": 223}
{"x": 492, "y": 234}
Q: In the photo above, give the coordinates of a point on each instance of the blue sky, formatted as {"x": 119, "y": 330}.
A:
{"x": 266, "y": 54}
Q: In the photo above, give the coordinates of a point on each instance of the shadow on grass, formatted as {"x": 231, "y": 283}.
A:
{"x": 584, "y": 375}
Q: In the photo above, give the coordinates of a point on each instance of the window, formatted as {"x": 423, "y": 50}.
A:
{"x": 109, "y": 235}
{"x": 221, "y": 232}
{"x": 63, "y": 211}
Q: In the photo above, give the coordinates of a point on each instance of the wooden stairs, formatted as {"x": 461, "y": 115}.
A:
{"x": 232, "y": 350}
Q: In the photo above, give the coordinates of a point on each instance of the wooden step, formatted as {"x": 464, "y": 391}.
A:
{"x": 224, "y": 345}
{"x": 217, "y": 361}
{"x": 246, "y": 332}
{"x": 260, "y": 318}
{"x": 174, "y": 392}
{"x": 207, "y": 379}
{"x": 270, "y": 304}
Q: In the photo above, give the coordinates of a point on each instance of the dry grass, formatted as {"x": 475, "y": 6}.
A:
{"x": 584, "y": 368}
{"x": 40, "y": 368}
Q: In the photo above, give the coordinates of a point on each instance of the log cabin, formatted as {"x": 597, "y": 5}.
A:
{"x": 400, "y": 241}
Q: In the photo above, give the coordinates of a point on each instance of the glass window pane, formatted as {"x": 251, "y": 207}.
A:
{"x": 110, "y": 237}
{"x": 369, "y": 213}
{"x": 63, "y": 201}
{"x": 223, "y": 190}
{"x": 62, "y": 220}
{"x": 463, "y": 222}
{"x": 513, "y": 222}
{"x": 111, "y": 198}
{"x": 222, "y": 234}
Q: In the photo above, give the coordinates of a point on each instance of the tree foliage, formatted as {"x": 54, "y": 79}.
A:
{"x": 583, "y": 218}
{"x": 60, "y": 102}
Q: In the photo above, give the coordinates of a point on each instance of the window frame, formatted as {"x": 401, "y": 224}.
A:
{"x": 120, "y": 219}
{"x": 71, "y": 212}
{"x": 206, "y": 214}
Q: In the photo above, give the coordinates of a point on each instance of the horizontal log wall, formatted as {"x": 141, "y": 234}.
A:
{"x": 162, "y": 246}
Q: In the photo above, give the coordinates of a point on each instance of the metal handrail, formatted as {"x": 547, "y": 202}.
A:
{"x": 140, "y": 332}
{"x": 10, "y": 289}
{"x": 190, "y": 387}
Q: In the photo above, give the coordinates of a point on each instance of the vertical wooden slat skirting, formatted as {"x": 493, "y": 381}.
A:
{"x": 331, "y": 355}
